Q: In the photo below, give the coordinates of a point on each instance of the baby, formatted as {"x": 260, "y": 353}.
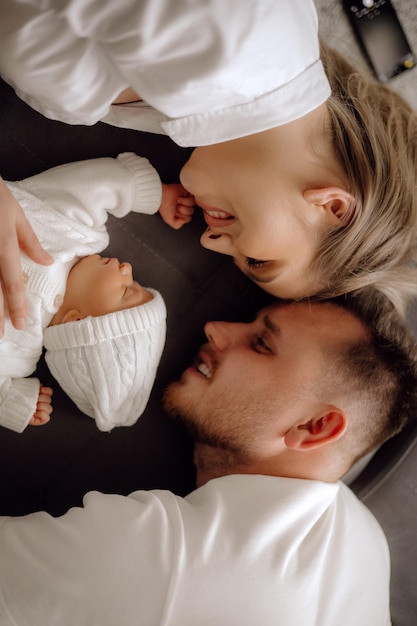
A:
{"x": 103, "y": 332}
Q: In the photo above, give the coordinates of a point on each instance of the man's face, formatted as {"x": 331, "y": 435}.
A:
{"x": 252, "y": 382}
{"x": 99, "y": 285}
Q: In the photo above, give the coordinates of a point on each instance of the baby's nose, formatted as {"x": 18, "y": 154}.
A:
{"x": 126, "y": 268}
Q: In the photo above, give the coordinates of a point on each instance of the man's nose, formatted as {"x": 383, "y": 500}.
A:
{"x": 219, "y": 334}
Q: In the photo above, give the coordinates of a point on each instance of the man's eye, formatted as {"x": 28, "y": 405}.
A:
{"x": 261, "y": 346}
{"x": 254, "y": 263}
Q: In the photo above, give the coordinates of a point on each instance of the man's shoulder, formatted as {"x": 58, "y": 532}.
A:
{"x": 314, "y": 507}
{"x": 302, "y": 537}
{"x": 264, "y": 496}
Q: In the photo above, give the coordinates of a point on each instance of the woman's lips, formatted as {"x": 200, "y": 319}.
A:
{"x": 216, "y": 217}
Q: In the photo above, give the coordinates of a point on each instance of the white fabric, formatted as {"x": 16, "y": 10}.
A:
{"x": 107, "y": 365}
{"x": 67, "y": 207}
{"x": 242, "y": 550}
{"x": 210, "y": 70}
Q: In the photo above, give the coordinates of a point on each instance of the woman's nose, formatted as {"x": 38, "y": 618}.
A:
{"x": 219, "y": 334}
{"x": 218, "y": 242}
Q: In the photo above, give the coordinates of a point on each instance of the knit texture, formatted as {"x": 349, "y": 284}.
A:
{"x": 107, "y": 364}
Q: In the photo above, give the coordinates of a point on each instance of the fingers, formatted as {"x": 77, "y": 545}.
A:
{"x": 29, "y": 242}
{"x": 13, "y": 287}
{"x": 16, "y": 234}
{"x": 177, "y": 205}
{"x": 39, "y": 419}
{"x": 186, "y": 200}
{"x": 43, "y": 407}
{"x": 179, "y": 221}
{"x": 185, "y": 211}
{"x": 183, "y": 215}
{"x": 48, "y": 391}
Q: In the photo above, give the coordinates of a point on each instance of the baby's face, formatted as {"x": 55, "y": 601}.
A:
{"x": 99, "y": 285}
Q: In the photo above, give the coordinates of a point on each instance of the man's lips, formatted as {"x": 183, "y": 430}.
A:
{"x": 204, "y": 370}
{"x": 204, "y": 366}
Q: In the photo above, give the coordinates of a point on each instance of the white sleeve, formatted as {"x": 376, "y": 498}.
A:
{"x": 86, "y": 191}
{"x": 18, "y": 399}
{"x": 108, "y": 563}
{"x": 70, "y": 59}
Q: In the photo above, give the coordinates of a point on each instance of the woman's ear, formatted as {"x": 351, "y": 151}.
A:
{"x": 337, "y": 204}
{"x": 73, "y": 315}
{"x": 318, "y": 431}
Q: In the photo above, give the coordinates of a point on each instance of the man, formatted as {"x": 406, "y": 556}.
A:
{"x": 279, "y": 408}
{"x": 298, "y": 157}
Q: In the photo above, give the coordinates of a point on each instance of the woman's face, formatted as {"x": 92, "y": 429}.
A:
{"x": 252, "y": 193}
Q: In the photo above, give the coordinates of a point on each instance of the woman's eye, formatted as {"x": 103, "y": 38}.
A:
{"x": 254, "y": 263}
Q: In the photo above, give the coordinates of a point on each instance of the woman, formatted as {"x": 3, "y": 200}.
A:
{"x": 305, "y": 169}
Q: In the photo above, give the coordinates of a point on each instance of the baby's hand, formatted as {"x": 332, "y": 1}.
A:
{"x": 177, "y": 205}
{"x": 15, "y": 234}
{"x": 43, "y": 407}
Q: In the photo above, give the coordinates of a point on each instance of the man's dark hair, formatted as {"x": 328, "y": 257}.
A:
{"x": 383, "y": 371}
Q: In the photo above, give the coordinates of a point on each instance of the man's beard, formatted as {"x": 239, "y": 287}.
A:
{"x": 181, "y": 411}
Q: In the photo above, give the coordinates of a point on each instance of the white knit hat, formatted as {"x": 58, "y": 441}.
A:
{"x": 107, "y": 364}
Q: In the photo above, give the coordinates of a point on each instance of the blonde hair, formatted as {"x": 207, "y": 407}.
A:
{"x": 374, "y": 133}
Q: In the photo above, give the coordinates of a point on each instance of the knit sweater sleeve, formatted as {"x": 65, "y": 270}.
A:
{"x": 18, "y": 399}
{"x": 87, "y": 191}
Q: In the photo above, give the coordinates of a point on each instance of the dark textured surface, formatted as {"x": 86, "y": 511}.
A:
{"x": 50, "y": 468}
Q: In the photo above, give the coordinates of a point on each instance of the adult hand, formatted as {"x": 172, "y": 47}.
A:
{"x": 15, "y": 234}
{"x": 43, "y": 407}
{"x": 177, "y": 205}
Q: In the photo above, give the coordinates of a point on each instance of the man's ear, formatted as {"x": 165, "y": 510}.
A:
{"x": 337, "y": 204}
{"x": 318, "y": 431}
{"x": 73, "y": 315}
